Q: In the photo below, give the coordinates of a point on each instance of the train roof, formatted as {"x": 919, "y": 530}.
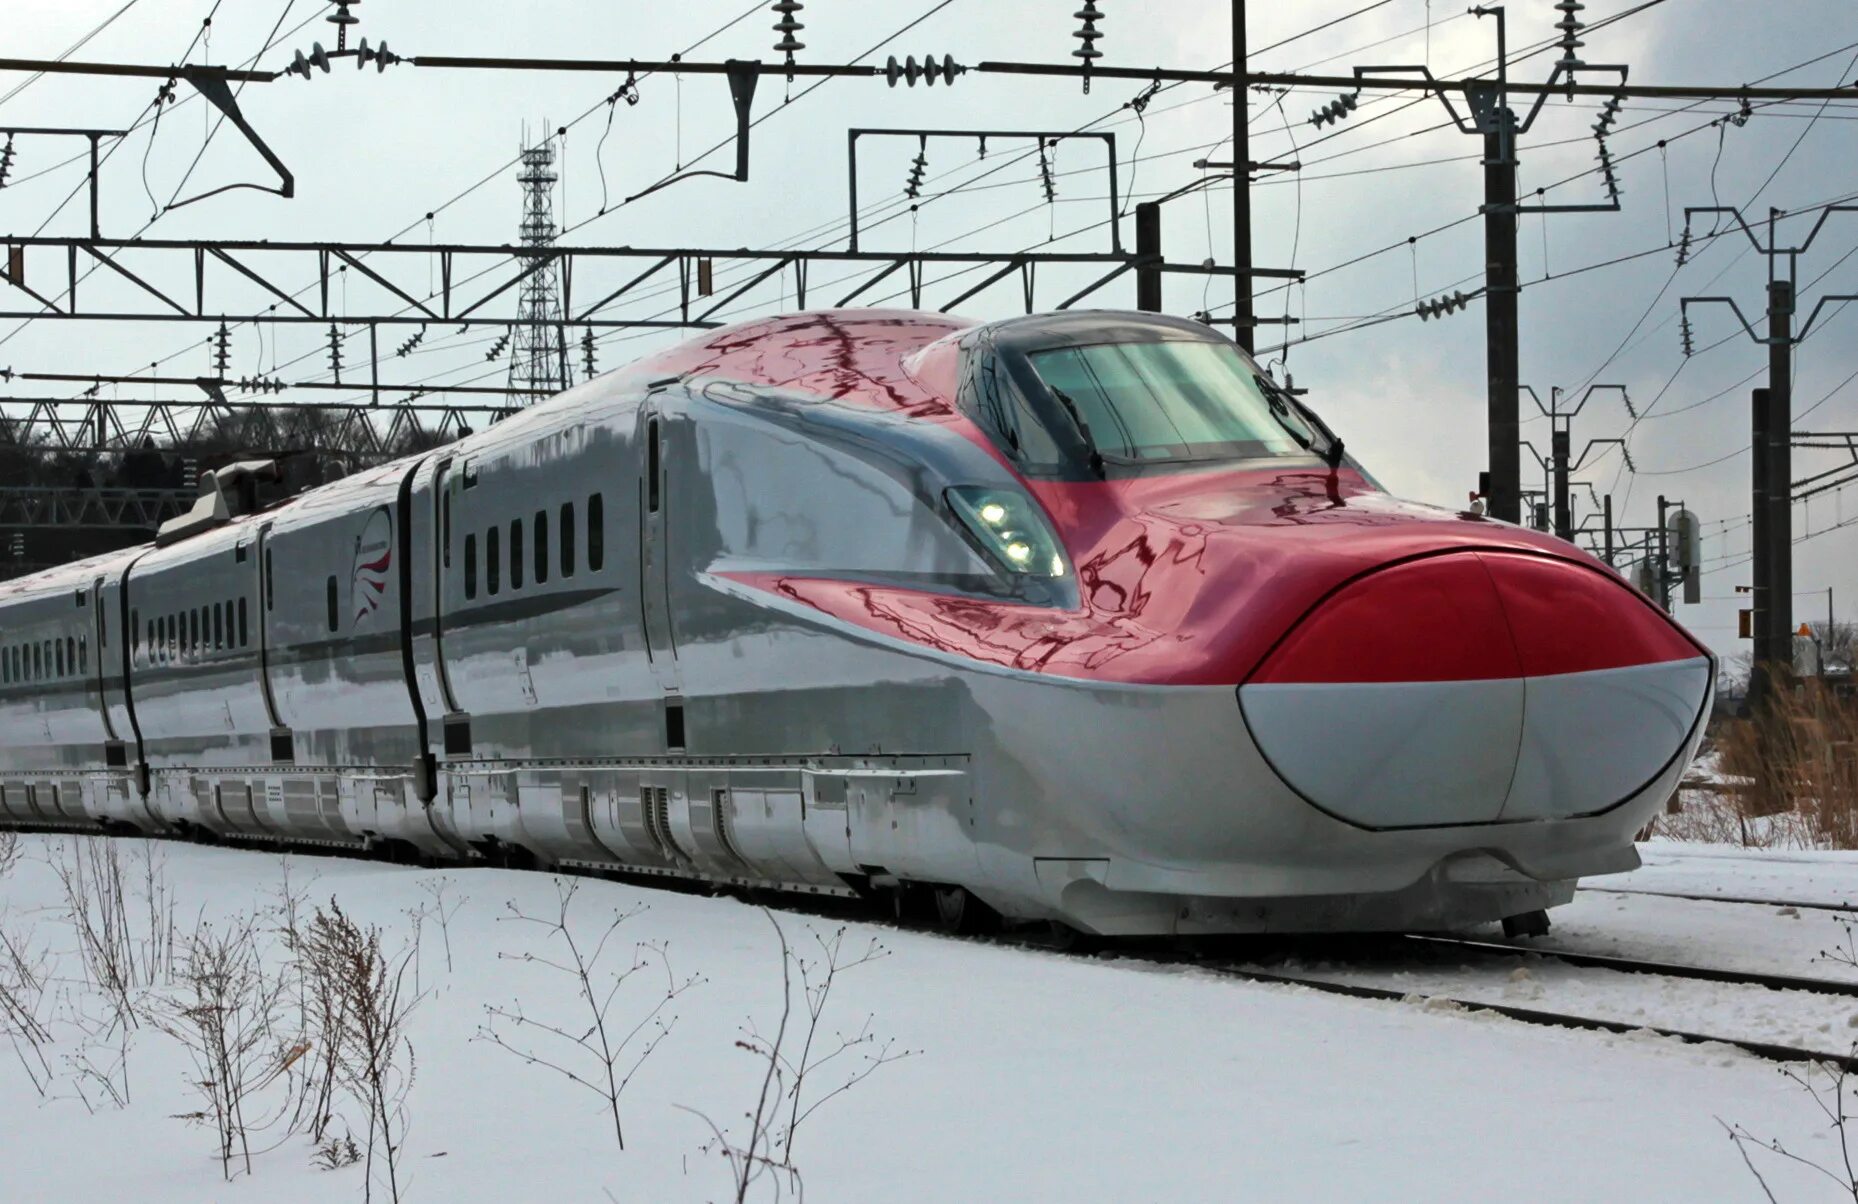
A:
{"x": 891, "y": 359}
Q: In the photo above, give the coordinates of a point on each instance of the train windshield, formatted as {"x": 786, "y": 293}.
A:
{"x": 1171, "y": 401}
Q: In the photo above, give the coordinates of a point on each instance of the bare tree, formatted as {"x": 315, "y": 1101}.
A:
{"x": 125, "y": 937}
{"x": 589, "y": 1051}
{"x": 24, "y": 972}
{"x": 442, "y": 910}
{"x": 1831, "y": 1087}
{"x": 764, "y": 1153}
{"x": 364, "y": 1008}
{"x": 227, "y": 1011}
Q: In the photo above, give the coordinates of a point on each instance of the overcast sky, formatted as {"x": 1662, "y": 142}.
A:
{"x": 373, "y": 153}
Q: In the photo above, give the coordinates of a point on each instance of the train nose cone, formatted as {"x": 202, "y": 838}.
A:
{"x": 1474, "y": 687}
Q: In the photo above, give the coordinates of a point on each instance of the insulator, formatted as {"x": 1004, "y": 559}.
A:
{"x": 496, "y": 348}
{"x": 1683, "y": 246}
{"x": 1087, "y": 34}
{"x": 587, "y": 352}
{"x": 1336, "y": 110}
{"x": 342, "y": 19}
{"x": 6, "y": 160}
{"x": 1626, "y": 454}
{"x": 1684, "y": 335}
{"x": 300, "y": 65}
{"x": 222, "y": 348}
{"x": 380, "y": 56}
{"x": 787, "y": 27}
{"x": 336, "y": 336}
{"x": 909, "y": 70}
{"x": 406, "y": 347}
{"x": 1445, "y": 303}
{"x": 1570, "y": 27}
{"x": 1609, "y": 113}
{"x": 921, "y": 164}
{"x": 1045, "y": 175}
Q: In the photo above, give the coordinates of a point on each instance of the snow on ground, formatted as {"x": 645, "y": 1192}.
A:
{"x": 1033, "y": 1076}
{"x": 1788, "y": 874}
{"x": 1754, "y": 938}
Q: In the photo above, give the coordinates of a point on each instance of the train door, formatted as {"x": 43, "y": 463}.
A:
{"x": 434, "y": 679}
{"x": 283, "y": 745}
{"x": 115, "y": 755}
{"x": 656, "y": 476}
{"x": 435, "y": 495}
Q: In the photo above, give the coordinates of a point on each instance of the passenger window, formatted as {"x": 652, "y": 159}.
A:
{"x": 193, "y": 632}
{"x": 329, "y": 593}
{"x": 59, "y": 657}
{"x": 470, "y": 567}
{"x": 516, "y": 553}
{"x": 83, "y": 654}
{"x": 541, "y": 546}
{"x": 567, "y": 539}
{"x": 445, "y": 526}
{"x": 38, "y": 661}
{"x": 493, "y": 560}
{"x": 219, "y": 625}
{"x": 596, "y": 535}
{"x": 244, "y": 635}
{"x": 651, "y": 470}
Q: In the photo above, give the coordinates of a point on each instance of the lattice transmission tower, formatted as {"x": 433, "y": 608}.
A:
{"x": 539, "y": 351}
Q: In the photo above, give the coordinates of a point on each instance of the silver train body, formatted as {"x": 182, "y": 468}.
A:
{"x": 537, "y": 643}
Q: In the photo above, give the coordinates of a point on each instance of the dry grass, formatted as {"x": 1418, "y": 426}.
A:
{"x": 1788, "y": 776}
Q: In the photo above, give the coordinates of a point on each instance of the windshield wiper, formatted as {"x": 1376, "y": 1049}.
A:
{"x": 1083, "y": 428}
{"x": 1281, "y": 405}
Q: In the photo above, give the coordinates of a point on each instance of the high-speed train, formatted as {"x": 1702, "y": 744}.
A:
{"x": 1074, "y": 617}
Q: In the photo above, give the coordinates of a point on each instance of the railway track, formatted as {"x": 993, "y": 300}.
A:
{"x": 1846, "y": 908}
{"x": 1766, "y": 1050}
{"x": 1631, "y": 965}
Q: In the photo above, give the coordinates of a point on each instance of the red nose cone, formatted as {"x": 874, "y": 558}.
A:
{"x": 1471, "y": 617}
{"x": 1477, "y": 686}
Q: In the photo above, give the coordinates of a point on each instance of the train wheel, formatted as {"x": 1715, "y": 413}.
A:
{"x": 1529, "y": 923}
{"x": 1067, "y": 939}
{"x": 911, "y": 905}
{"x": 959, "y": 913}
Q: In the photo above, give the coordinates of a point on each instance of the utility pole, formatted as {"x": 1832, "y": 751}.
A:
{"x": 1779, "y": 458}
{"x": 1502, "y": 353}
{"x": 1490, "y": 116}
{"x": 1244, "y": 328}
{"x": 1148, "y": 252}
{"x": 1771, "y": 427}
{"x": 1561, "y": 464}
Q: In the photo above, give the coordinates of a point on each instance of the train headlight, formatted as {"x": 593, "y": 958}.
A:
{"x": 1010, "y": 529}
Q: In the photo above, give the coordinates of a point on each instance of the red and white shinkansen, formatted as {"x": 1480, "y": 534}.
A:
{"x": 1074, "y": 617}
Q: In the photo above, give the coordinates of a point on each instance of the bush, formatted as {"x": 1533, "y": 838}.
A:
{"x": 1797, "y": 760}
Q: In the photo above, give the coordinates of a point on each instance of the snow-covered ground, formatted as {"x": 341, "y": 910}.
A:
{"x": 1030, "y": 1076}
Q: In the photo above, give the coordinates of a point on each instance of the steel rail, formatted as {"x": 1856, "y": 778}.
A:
{"x": 1633, "y": 965}
{"x": 1766, "y": 1050}
{"x": 1848, "y": 908}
